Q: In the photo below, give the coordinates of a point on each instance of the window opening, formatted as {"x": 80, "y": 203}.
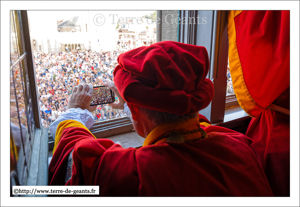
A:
{"x": 86, "y": 58}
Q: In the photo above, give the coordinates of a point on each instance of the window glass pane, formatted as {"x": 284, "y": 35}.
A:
{"x": 14, "y": 52}
{"x": 15, "y": 116}
{"x": 18, "y": 139}
{"x": 22, "y": 106}
{"x": 20, "y": 95}
{"x": 27, "y": 98}
{"x": 65, "y": 57}
{"x": 13, "y": 154}
{"x": 22, "y": 122}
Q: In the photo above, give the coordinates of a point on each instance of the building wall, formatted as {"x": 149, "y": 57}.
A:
{"x": 169, "y": 25}
{"x": 92, "y": 36}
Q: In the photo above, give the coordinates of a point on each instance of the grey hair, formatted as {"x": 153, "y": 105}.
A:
{"x": 158, "y": 117}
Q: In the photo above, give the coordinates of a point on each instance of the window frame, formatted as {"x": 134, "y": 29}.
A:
{"x": 212, "y": 35}
{"x": 215, "y": 42}
{"x": 25, "y": 149}
{"x": 35, "y": 169}
{"x": 24, "y": 24}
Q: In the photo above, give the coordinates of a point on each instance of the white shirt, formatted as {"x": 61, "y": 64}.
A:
{"x": 46, "y": 96}
{"x": 53, "y": 115}
{"x": 83, "y": 116}
{"x": 43, "y": 108}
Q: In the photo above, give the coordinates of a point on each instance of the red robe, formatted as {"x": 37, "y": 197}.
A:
{"x": 270, "y": 133}
{"x": 220, "y": 165}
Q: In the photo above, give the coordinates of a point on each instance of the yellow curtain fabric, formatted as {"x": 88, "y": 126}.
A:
{"x": 242, "y": 94}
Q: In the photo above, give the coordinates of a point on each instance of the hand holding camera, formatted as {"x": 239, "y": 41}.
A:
{"x": 81, "y": 98}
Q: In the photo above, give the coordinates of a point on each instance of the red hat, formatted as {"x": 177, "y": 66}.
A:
{"x": 166, "y": 76}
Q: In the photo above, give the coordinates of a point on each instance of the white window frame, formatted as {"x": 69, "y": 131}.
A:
{"x": 32, "y": 162}
{"x": 212, "y": 34}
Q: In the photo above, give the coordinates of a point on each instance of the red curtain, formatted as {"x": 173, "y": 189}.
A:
{"x": 259, "y": 56}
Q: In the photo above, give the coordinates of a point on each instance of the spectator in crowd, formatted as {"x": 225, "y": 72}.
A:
{"x": 48, "y": 111}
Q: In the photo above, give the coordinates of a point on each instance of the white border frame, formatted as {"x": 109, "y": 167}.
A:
{"x": 293, "y": 6}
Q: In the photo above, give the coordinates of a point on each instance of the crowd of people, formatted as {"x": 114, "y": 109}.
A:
{"x": 58, "y": 73}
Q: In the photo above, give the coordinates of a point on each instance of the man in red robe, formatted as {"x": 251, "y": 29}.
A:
{"x": 163, "y": 87}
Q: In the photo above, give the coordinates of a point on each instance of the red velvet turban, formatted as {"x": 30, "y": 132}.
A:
{"x": 166, "y": 76}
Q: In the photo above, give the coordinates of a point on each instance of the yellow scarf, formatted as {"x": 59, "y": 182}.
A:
{"x": 178, "y": 131}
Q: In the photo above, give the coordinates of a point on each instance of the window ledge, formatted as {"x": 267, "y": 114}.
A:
{"x": 112, "y": 127}
{"x": 38, "y": 169}
{"x": 235, "y": 113}
{"x": 234, "y": 117}
{"x": 129, "y": 139}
